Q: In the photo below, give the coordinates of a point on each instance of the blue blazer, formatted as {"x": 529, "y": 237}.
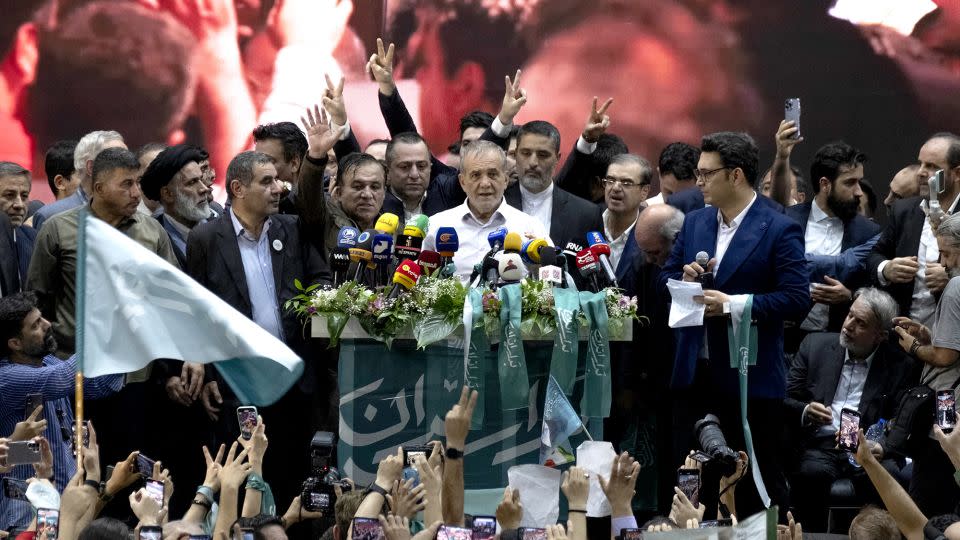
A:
{"x": 628, "y": 268}
{"x": 25, "y": 239}
{"x": 765, "y": 258}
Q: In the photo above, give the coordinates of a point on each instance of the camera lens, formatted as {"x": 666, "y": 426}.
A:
{"x": 714, "y": 444}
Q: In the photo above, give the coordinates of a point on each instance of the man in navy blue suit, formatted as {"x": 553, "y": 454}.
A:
{"x": 753, "y": 250}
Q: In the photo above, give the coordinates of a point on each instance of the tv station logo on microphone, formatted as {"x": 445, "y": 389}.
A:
{"x": 586, "y": 259}
{"x": 364, "y": 236}
{"x": 445, "y": 237}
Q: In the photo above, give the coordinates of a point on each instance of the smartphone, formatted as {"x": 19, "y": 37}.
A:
{"x": 688, "y": 480}
{"x": 144, "y": 466}
{"x": 530, "y": 533}
{"x": 367, "y": 529}
{"x": 791, "y": 113}
{"x": 73, "y": 438}
{"x": 23, "y": 452}
{"x": 151, "y": 532}
{"x": 449, "y": 532}
{"x": 154, "y": 489}
{"x": 631, "y": 534}
{"x": 15, "y": 489}
{"x": 849, "y": 427}
{"x": 936, "y": 182}
{"x": 716, "y": 523}
{"x": 33, "y": 401}
{"x": 48, "y": 521}
{"x": 247, "y": 418}
{"x": 484, "y": 527}
{"x": 946, "y": 410}
{"x": 410, "y": 454}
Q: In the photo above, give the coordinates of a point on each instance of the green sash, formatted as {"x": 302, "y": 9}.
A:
{"x": 514, "y": 383}
{"x": 596, "y": 385}
{"x": 477, "y": 352}
{"x": 563, "y": 364}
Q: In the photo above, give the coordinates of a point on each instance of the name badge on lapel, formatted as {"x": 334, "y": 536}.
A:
{"x": 277, "y": 245}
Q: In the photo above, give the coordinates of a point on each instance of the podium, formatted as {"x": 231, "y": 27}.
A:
{"x": 400, "y": 396}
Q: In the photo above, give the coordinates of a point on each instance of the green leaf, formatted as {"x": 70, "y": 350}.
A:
{"x": 297, "y": 284}
{"x": 433, "y": 328}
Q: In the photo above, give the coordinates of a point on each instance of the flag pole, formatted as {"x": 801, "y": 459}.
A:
{"x": 81, "y": 292}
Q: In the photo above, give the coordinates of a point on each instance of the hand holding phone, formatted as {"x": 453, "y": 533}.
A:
{"x": 449, "y": 532}
{"x": 791, "y": 113}
{"x": 367, "y": 529}
{"x": 247, "y": 418}
{"x": 688, "y": 480}
{"x": 849, "y": 429}
{"x": 151, "y": 532}
{"x": 48, "y": 522}
{"x": 23, "y": 453}
{"x": 154, "y": 490}
{"x": 946, "y": 410}
{"x": 145, "y": 466}
{"x": 484, "y": 527}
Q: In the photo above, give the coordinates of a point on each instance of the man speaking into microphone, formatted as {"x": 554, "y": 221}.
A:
{"x": 747, "y": 249}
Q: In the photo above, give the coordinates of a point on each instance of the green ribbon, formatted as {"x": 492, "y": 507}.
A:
{"x": 596, "y": 385}
{"x": 563, "y": 364}
{"x": 477, "y": 354}
{"x": 743, "y": 354}
{"x": 514, "y": 383}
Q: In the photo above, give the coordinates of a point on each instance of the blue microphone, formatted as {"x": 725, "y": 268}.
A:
{"x": 347, "y": 237}
{"x": 496, "y": 239}
{"x": 382, "y": 249}
{"x": 447, "y": 243}
{"x": 598, "y": 244}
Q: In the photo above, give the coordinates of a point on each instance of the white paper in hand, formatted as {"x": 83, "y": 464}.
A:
{"x": 539, "y": 493}
{"x": 684, "y": 311}
{"x": 596, "y": 457}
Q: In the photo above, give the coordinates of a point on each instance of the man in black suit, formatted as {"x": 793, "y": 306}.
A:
{"x": 15, "y": 188}
{"x": 905, "y": 261}
{"x": 856, "y": 369}
{"x": 411, "y": 188}
{"x": 831, "y": 224}
{"x": 9, "y": 272}
{"x": 250, "y": 257}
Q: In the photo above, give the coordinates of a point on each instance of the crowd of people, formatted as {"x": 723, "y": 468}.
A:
{"x": 853, "y": 320}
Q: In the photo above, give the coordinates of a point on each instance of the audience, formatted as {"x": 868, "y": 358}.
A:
{"x": 802, "y": 253}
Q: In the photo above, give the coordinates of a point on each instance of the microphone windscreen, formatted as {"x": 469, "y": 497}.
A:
{"x": 387, "y": 223}
{"x": 595, "y": 237}
{"x": 548, "y": 256}
{"x": 600, "y": 249}
{"x": 447, "y": 241}
{"x": 586, "y": 262}
{"x": 407, "y": 274}
{"x": 532, "y": 250}
{"x": 421, "y": 222}
{"x": 510, "y": 267}
{"x": 512, "y": 242}
{"x": 703, "y": 259}
{"x": 497, "y": 236}
{"x": 382, "y": 247}
{"x": 347, "y": 237}
{"x": 429, "y": 261}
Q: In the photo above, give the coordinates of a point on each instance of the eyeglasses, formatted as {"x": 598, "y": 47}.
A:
{"x": 610, "y": 181}
{"x": 702, "y": 175}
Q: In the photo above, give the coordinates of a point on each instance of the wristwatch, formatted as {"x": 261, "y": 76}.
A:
{"x": 453, "y": 453}
{"x": 377, "y": 489}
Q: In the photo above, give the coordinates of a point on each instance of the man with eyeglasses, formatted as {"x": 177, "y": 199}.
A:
{"x": 753, "y": 250}
{"x": 625, "y": 188}
{"x": 28, "y": 366}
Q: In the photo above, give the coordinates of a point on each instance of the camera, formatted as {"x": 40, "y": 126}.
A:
{"x": 318, "y": 493}
{"x": 714, "y": 444}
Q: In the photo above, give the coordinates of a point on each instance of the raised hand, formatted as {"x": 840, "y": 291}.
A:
{"x": 514, "y": 98}
{"x": 320, "y": 138}
{"x": 296, "y": 513}
{"x": 682, "y": 510}
{"x": 510, "y": 511}
{"x": 395, "y": 527}
{"x": 784, "y": 138}
{"x": 457, "y": 422}
{"x": 556, "y": 531}
{"x": 619, "y": 487}
{"x": 91, "y": 454}
{"x": 333, "y": 102}
{"x": 235, "y": 470}
{"x": 146, "y": 508}
{"x": 44, "y": 469}
{"x": 124, "y": 474}
{"x": 381, "y": 67}
{"x": 257, "y": 444}
{"x": 390, "y": 469}
{"x": 214, "y": 466}
{"x": 33, "y": 426}
{"x": 576, "y": 488}
{"x": 597, "y": 122}
{"x": 404, "y": 501}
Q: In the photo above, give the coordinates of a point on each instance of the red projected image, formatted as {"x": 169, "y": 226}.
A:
{"x": 208, "y": 72}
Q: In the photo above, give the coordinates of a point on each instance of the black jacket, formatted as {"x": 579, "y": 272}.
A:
{"x": 900, "y": 238}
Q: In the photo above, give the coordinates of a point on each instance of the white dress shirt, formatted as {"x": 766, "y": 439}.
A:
{"x": 656, "y": 199}
{"x": 824, "y": 236}
{"x": 617, "y": 244}
{"x": 538, "y": 205}
{"x": 853, "y": 379}
{"x": 924, "y": 305}
{"x": 472, "y": 232}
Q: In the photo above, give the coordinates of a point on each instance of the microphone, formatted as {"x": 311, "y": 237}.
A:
{"x": 512, "y": 243}
{"x": 589, "y": 268}
{"x": 448, "y": 242}
{"x": 705, "y": 278}
{"x": 387, "y": 223}
{"x": 414, "y": 231}
{"x": 496, "y": 239}
{"x": 382, "y": 255}
{"x": 510, "y": 267}
{"x": 339, "y": 264}
{"x": 347, "y": 237}
{"x": 361, "y": 254}
{"x": 490, "y": 271}
{"x": 421, "y": 222}
{"x": 531, "y": 250}
{"x": 406, "y": 276}
{"x": 429, "y": 262}
{"x": 549, "y": 271}
{"x": 407, "y": 247}
{"x": 601, "y": 250}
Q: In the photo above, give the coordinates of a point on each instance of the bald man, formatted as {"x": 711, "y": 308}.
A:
{"x": 904, "y": 185}
{"x": 656, "y": 229}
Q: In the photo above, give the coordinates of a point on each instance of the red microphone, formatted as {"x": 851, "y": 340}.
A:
{"x": 406, "y": 276}
{"x": 602, "y": 253}
{"x": 589, "y": 268}
{"x": 429, "y": 262}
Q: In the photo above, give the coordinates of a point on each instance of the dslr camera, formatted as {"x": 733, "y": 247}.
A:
{"x": 318, "y": 493}
{"x": 722, "y": 458}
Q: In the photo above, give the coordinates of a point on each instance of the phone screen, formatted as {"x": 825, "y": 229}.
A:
{"x": 533, "y": 534}
{"x": 247, "y": 418}
{"x": 367, "y": 529}
{"x": 946, "y": 410}
{"x": 15, "y": 489}
{"x": 144, "y": 466}
{"x": 631, "y": 534}
{"x": 688, "y": 480}
{"x": 484, "y": 527}
{"x": 412, "y": 455}
{"x": 151, "y": 533}
{"x": 33, "y": 401}
{"x": 716, "y": 523}
{"x": 849, "y": 427}
{"x": 48, "y": 521}
{"x": 791, "y": 113}
{"x": 154, "y": 489}
{"x": 449, "y": 532}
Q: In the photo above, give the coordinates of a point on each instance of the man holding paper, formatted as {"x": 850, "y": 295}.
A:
{"x": 754, "y": 256}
